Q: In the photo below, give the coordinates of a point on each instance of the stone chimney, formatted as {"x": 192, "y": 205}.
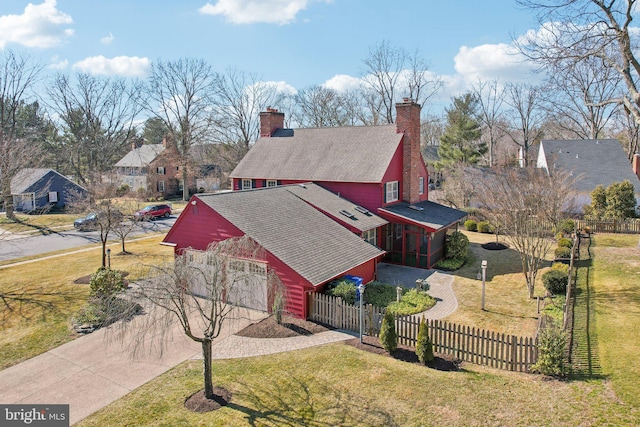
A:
{"x": 136, "y": 143}
{"x": 270, "y": 121}
{"x": 636, "y": 164}
{"x": 408, "y": 123}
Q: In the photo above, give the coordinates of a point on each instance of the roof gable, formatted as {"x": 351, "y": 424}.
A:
{"x": 25, "y": 180}
{"x": 338, "y": 154}
{"x": 308, "y": 241}
{"x": 592, "y": 161}
{"x": 141, "y": 156}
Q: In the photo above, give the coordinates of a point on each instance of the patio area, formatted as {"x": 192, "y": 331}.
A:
{"x": 441, "y": 286}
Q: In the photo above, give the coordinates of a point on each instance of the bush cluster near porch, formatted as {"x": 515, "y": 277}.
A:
{"x": 383, "y": 295}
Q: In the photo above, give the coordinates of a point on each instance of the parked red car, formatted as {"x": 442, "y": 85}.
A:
{"x": 152, "y": 212}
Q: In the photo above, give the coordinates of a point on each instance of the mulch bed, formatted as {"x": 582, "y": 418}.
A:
{"x": 495, "y": 246}
{"x": 404, "y": 353}
{"x": 290, "y": 327}
{"x": 197, "y": 402}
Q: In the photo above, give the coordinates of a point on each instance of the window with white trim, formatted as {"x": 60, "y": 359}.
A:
{"x": 370, "y": 236}
{"x": 160, "y": 170}
{"x": 160, "y": 186}
{"x": 246, "y": 184}
{"x": 257, "y": 268}
{"x": 272, "y": 183}
{"x": 421, "y": 185}
{"x": 391, "y": 191}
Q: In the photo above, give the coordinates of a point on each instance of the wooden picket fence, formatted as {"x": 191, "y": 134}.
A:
{"x": 627, "y": 226}
{"x": 469, "y": 344}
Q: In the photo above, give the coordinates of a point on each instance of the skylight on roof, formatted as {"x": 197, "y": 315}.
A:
{"x": 363, "y": 210}
{"x": 348, "y": 214}
{"x": 416, "y": 208}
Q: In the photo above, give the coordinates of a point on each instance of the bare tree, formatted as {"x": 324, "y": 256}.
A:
{"x": 628, "y": 132}
{"x": 18, "y": 75}
{"x": 318, "y": 106}
{"x": 180, "y": 94}
{"x": 391, "y": 73}
{"x": 490, "y": 97}
{"x": 97, "y": 117}
{"x": 200, "y": 292}
{"x": 526, "y": 205}
{"x": 237, "y": 100}
{"x": 575, "y": 31}
{"x": 525, "y": 117}
{"x": 574, "y": 97}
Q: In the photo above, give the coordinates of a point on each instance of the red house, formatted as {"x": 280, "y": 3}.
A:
{"x": 377, "y": 167}
{"x": 326, "y": 202}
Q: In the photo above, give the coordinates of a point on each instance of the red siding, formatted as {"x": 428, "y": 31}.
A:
{"x": 260, "y": 183}
{"x": 393, "y": 173}
{"x": 200, "y": 225}
{"x": 366, "y": 195}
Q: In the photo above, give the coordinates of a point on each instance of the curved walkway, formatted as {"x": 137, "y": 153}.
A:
{"x": 441, "y": 286}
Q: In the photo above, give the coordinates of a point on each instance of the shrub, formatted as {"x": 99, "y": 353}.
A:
{"x": 424, "y": 346}
{"x": 106, "y": 282}
{"x": 551, "y": 345}
{"x": 565, "y": 243}
{"x": 567, "y": 226}
{"x": 471, "y": 225}
{"x": 278, "y": 305}
{"x": 412, "y": 302}
{"x": 388, "y": 336}
{"x": 344, "y": 289}
{"x": 456, "y": 245}
{"x": 380, "y": 294}
{"x": 451, "y": 264}
{"x": 561, "y": 267}
{"x": 562, "y": 252}
{"x": 485, "y": 227}
{"x": 122, "y": 190}
{"x": 555, "y": 281}
{"x": 105, "y": 310}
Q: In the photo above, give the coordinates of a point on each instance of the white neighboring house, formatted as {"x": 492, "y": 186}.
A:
{"x": 592, "y": 161}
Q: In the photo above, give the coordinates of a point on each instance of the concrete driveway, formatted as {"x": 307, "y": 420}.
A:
{"x": 441, "y": 286}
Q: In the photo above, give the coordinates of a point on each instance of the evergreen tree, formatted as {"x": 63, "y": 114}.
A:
{"x": 460, "y": 142}
{"x": 621, "y": 201}
{"x": 388, "y": 336}
{"x": 424, "y": 346}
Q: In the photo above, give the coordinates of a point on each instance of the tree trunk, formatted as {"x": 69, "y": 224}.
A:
{"x": 208, "y": 380}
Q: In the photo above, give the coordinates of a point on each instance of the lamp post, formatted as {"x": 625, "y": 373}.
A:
{"x": 108, "y": 258}
{"x": 484, "y": 277}
{"x": 361, "y": 290}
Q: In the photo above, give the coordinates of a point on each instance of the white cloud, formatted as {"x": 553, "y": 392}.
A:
{"x": 40, "y": 26}
{"x": 58, "y": 64}
{"x": 107, "y": 39}
{"x": 492, "y": 61}
{"x": 125, "y": 66}
{"x": 343, "y": 83}
{"x": 252, "y": 11}
{"x": 281, "y": 87}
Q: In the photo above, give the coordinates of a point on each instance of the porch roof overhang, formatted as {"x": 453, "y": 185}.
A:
{"x": 429, "y": 215}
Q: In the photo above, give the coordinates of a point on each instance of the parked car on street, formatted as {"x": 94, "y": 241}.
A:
{"x": 89, "y": 222}
{"x": 153, "y": 211}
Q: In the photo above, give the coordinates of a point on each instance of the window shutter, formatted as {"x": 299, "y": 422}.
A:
{"x": 384, "y": 193}
{"x": 253, "y": 183}
{"x": 264, "y": 182}
{"x": 279, "y": 183}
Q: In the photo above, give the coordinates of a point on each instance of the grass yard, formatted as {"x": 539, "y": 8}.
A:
{"x": 616, "y": 296}
{"x": 340, "y": 385}
{"x": 508, "y": 308}
{"x": 38, "y": 223}
{"x": 29, "y": 333}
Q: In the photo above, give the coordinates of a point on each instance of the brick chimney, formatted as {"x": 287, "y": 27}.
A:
{"x": 136, "y": 143}
{"x": 270, "y": 121}
{"x": 636, "y": 164}
{"x": 408, "y": 122}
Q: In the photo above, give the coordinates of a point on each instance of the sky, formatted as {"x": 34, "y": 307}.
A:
{"x": 296, "y": 43}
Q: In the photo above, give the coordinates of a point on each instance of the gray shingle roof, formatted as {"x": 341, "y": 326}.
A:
{"x": 305, "y": 239}
{"x": 142, "y": 156}
{"x": 25, "y": 178}
{"x": 593, "y": 162}
{"x": 332, "y": 204}
{"x": 430, "y": 214}
{"x": 339, "y": 154}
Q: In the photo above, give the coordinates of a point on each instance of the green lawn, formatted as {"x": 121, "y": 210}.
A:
{"x": 338, "y": 385}
{"x": 30, "y": 332}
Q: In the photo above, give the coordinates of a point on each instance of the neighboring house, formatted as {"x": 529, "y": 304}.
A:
{"x": 43, "y": 189}
{"x": 155, "y": 168}
{"x": 313, "y": 198}
{"x": 592, "y": 162}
